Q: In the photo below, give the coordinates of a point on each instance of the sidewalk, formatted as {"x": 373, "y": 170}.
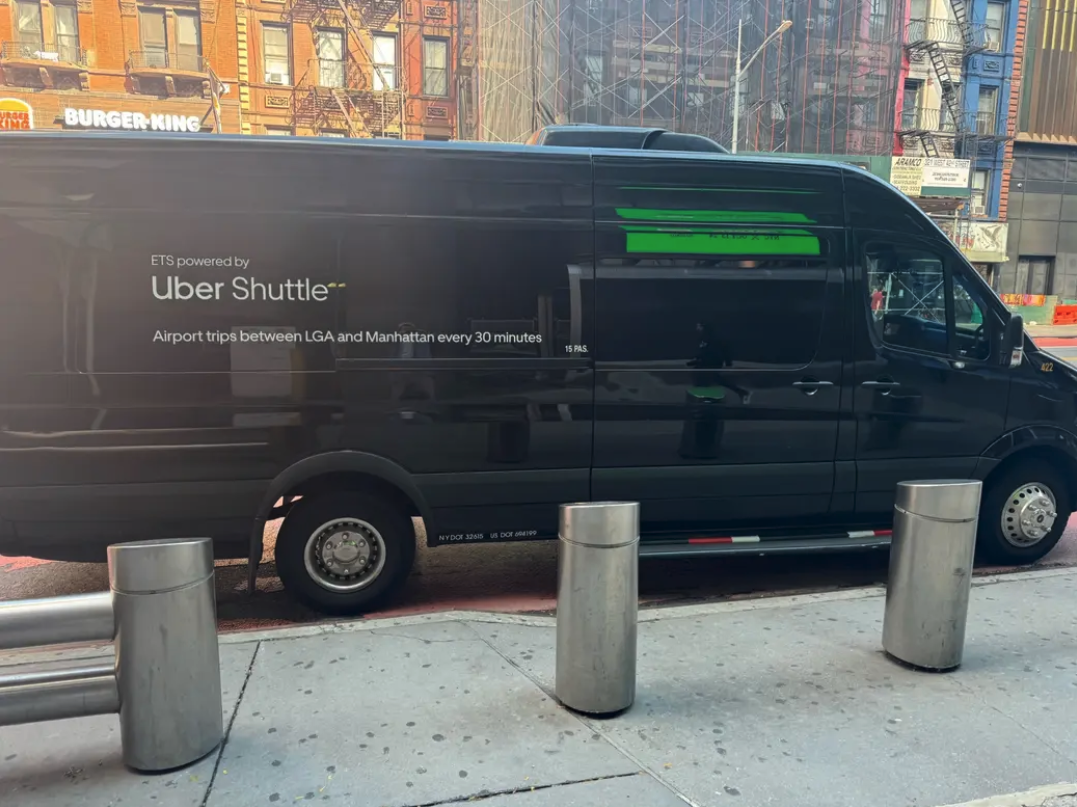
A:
{"x": 1052, "y": 331}
{"x": 785, "y": 701}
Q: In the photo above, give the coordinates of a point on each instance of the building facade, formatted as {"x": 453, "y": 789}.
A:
{"x": 1042, "y": 202}
{"x": 954, "y": 131}
{"x": 95, "y": 64}
{"x": 334, "y": 68}
{"x": 825, "y": 84}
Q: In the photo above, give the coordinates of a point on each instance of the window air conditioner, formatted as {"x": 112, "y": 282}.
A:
{"x": 274, "y": 78}
{"x": 979, "y": 210}
{"x": 994, "y": 47}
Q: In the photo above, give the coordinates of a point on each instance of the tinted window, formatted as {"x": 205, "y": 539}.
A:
{"x": 907, "y": 292}
{"x": 666, "y": 186}
{"x": 468, "y": 289}
{"x": 674, "y": 141}
{"x": 37, "y": 271}
{"x": 222, "y": 293}
{"x": 676, "y": 311}
{"x": 877, "y": 205}
{"x": 284, "y": 175}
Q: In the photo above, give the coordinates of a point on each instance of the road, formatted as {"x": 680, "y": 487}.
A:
{"x": 515, "y": 578}
{"x": 1067, "y": 352}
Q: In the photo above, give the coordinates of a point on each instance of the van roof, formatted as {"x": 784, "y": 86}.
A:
{"x": 68, "y": 139}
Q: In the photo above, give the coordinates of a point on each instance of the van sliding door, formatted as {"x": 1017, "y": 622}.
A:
{"x": 718, "y": 373}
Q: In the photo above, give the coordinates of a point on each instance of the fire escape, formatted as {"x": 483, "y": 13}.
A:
{"x": 937, "y": 39}
{"x": 352, "y": 94}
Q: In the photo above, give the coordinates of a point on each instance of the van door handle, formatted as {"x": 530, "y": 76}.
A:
{"x": 810, "y": 386}
{"x": 884, "y": 385}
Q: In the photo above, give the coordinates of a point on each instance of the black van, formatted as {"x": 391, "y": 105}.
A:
{"x": 203, "y": 334}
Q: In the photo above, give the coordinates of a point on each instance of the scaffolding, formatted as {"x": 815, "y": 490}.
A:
{"x": 827, "y": 86}
{"x": 350, "y": 93}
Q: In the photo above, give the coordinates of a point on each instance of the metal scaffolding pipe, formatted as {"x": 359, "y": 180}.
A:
{"x": 58, "y": 700}
{"x": 56, "y": 620}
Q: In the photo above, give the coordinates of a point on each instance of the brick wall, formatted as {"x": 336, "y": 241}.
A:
{"x": 99, "y": 78}
{"x": 1014, "y": 108}
{"x": 231, "y": 32}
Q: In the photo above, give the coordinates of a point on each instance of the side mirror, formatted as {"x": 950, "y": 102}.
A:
{"x": 1013, "y": 342}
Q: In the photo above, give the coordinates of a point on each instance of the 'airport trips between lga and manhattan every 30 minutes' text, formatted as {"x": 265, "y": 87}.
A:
{"x": 283, "y": 336}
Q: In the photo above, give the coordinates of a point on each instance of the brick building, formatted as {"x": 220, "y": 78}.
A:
{"x": 335, "y": 68}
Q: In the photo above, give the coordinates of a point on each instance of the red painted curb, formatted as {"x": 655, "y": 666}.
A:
{"x": 1055, "y": 341}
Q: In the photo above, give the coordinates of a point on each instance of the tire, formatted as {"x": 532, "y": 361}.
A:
{"x": 1016, "y": 510}
{"x": 368, "y": 569}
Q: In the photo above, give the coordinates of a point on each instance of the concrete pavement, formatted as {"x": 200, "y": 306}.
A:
{"x": 782, "y": 701}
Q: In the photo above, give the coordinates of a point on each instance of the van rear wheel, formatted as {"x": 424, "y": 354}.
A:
{"x": 344, "y": 553}
{"x": 1023, "y": 514}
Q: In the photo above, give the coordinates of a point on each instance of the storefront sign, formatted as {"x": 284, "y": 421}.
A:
{"x": 15, "y": 115}
{"x": 1026, "y": 300}
{"x": 930, "y": 176}
{"x": 980, "y": 241}
{"x": 907, "y": 174}
{"x": 942, "y": 176}
{"x": 130, "y": 121}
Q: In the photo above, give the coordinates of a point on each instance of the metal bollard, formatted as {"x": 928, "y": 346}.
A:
{"x": 930, "y": 576}
{"x": 168, "y": 670}
{"x": 597, "y": 606}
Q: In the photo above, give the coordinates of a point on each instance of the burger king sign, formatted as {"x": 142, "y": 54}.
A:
{"x": 15, "y": 115}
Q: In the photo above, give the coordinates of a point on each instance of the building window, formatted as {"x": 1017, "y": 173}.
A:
{"x": 66, "y": 20}
{"x": 880, "y": 18}
{"x": 996, "y": 26}
{"x": 981, "y": 187}
{"x": 28, "y": 30}
{"x": 384, "y": 62}
{"x": 1035, "y": 275}
{"x": 153, "y": 36}
{"x": 274, "y": 131}
{"x": 276, "y": 54}
{"x": 987, "y": 110}
{"x": 188, "y": 41}
{"x": 437, "y": 138}
{"x": 435, "y": 67}
{"x": 910, "y": 105}
{"x": 329, "y": 45}
{"x": 326, "y": 133}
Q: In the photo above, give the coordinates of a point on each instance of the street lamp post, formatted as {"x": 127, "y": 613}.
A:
{"x": 739, "y": 74}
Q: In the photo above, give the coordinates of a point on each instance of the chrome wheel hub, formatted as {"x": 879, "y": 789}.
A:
{"x": 345, "y": 555}
{"x": 1029, "y": 515}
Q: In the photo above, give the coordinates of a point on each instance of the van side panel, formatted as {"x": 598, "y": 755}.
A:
{"x": 476, "y": 311}
{"x": 199, "y": 279}
{"x": 210, "y": 314}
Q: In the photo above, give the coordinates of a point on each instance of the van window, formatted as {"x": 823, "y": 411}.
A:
{"x": 764, "y": 314}
{"x": 218, "y": 293}
{"x": 468, "y": 289}
{"x": 699, "y": 190}
{"x": 38, "y": 277}
{"x": 908, "y": 296}
{"x": 875, "y": 205}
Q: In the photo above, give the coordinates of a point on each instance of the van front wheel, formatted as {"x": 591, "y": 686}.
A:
{"x": 344, "y": 553}
{"x": 1023, "y": 514}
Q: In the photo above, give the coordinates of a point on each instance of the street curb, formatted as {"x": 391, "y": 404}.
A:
{"x": 650, "y": 615}
{"x": 103, "y": 650}
{"x": 1029, "y": 798}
